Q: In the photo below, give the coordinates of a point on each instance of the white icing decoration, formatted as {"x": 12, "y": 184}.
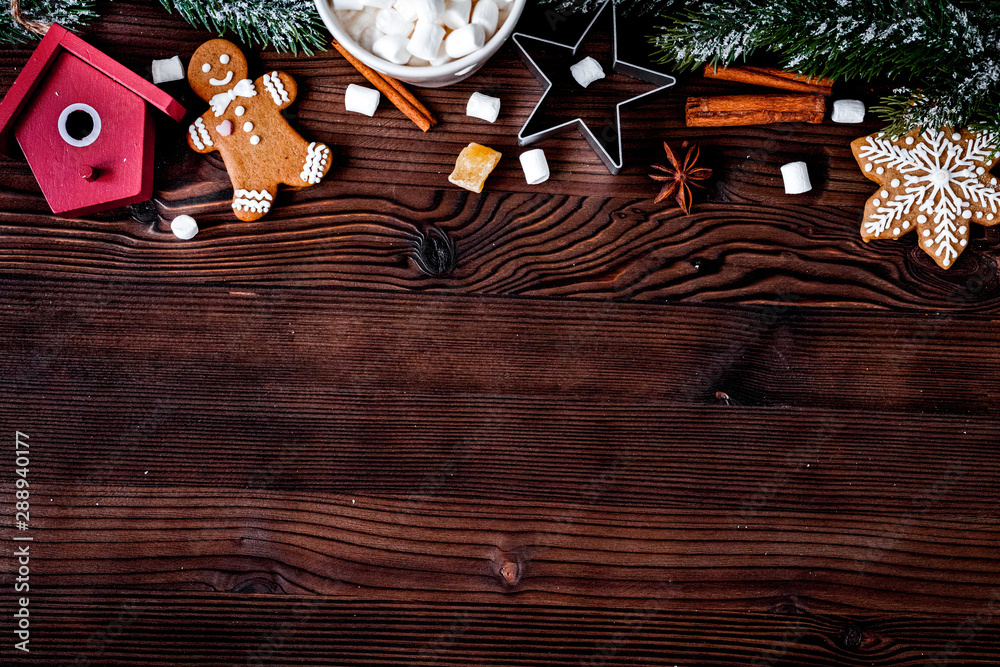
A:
{"x": 247, "y": 126}
{"x": 206, "y": 68}
{"x": 252, "y": 200}
{"x": 876, "y": 202}
{"x": 895, "y": 231}
{"x": 220, "y": 102}
{"x": 203, "y": 132}
{"x": 194, "y": 137}
{"x": 255, "y": 140}
{"x": 316, "y": 157}
{"x": 868, "y": 167}
{"x": 272, "y": 82}
{"x": 885, "y": 193}
{"x": 880, "y": 170}
{"x": 956, "y": 137}
{"x": 894, "y": 183}
{"x": 222, "y": 82}
{"x": 979, "y": 214}
{"x": 906, "y": 224}
{"x": 224, "y": 59}
{"x": 240, "y": 111}
{"x": 962, "y": 242}
{"x": 939, "y": 180}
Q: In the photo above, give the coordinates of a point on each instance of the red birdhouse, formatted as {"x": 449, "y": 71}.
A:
{"x": 84, "y": 124}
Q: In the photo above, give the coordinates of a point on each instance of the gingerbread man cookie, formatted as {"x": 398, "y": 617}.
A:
{"x": 245, "y": 125}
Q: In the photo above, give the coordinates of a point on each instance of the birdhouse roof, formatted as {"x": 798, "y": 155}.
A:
{"x": 56, "y": 40}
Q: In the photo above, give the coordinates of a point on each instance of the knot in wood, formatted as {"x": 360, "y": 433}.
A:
{"x": 144, "y": 211}
{"x": 256, "y": 585}
{"x": 852, "y": 636}
{"x": 510, "y": 572}
{"x": 436, "y": 254}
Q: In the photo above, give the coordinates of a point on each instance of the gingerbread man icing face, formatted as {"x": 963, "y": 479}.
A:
{"x": 244, "y": 123}
{"x": 215, "y": 67}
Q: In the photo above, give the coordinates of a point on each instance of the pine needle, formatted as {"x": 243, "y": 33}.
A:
{"x": 70, "y": 14}
{"x": 289, "y": 26}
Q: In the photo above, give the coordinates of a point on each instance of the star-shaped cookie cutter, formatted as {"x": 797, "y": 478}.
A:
{"x": 662, "y": 81}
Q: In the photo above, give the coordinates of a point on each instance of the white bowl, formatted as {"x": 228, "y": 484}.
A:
{"x": 427, "y": 76}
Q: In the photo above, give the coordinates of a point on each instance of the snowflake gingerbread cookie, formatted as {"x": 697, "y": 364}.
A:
{"x": 244, "y": 123}
{"x": 936, "y": 182}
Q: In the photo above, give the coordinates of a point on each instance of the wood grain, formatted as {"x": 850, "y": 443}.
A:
{"x": 614, "y": 354}
{"x": 415, "y": 447}
{"x": 265, "y": 629}
{"x": 397, "y": 423}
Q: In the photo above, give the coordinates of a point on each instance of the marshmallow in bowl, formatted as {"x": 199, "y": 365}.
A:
{"x": 433, "y": 32}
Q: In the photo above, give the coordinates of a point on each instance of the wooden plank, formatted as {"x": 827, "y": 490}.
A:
{"x": 212, "y": 629}
{"x": 583, "y": 234}
{"x": 174, "y": 538}
{"x": 258, "y": 340}
{"x": 736, "y": 461}
{"x": 512, "y": 245}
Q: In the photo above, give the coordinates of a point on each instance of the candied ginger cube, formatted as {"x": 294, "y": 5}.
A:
{"x": 474, "y": 164}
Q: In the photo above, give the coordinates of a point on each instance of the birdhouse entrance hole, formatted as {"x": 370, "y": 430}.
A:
{"x": 79, "y": 125}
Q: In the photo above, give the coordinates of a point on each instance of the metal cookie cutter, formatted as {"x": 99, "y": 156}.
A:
{"x": 610, "y": 151}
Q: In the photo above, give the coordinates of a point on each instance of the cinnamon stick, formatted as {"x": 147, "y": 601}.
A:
{"x": 732, "y": 110}
{"x": 771, "y": 78}
{"x": 400, "y": 97}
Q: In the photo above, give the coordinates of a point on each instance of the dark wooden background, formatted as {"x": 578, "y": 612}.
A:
{"x": 395, "y": 422}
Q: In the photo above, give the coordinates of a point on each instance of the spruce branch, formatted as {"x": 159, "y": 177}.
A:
{"x": 288, "y": 25}
{"x": 70, "y": 14}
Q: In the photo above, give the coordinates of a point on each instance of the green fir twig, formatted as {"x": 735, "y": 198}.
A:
{"x": 70, "y": 14}
{"x": 289, "y": 26}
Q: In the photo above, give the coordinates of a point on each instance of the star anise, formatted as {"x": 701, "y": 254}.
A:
{"x": 679, "y": 178}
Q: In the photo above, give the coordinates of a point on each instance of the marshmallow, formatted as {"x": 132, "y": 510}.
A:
{"x": 377, "y": 4}
{"x": 796, "y": 177}
{"x": 587, "y": 71}
{"x": 392, "y": 48}
{"x": 361, "y": 100}
{"x": 456, "y": 13}
{"x": 486, "y": 13}
{"x": 426, "y": 40}
{"x": 366, "y": 40}
{"x": 340, "y": 5}
{"x": 406, "y": 8}
{"x": 483, "y": 106}
{"x": 848, "y": 111}
{"x": 465, "y": 40}
{"x": 184, "y": 227}
{"x": 170, "y": 69}
{"x": 391, "y": 22}
{"x": 441, "y": 58}
{"x": 429, "y": 10}
{"x": 535, "y": 166}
